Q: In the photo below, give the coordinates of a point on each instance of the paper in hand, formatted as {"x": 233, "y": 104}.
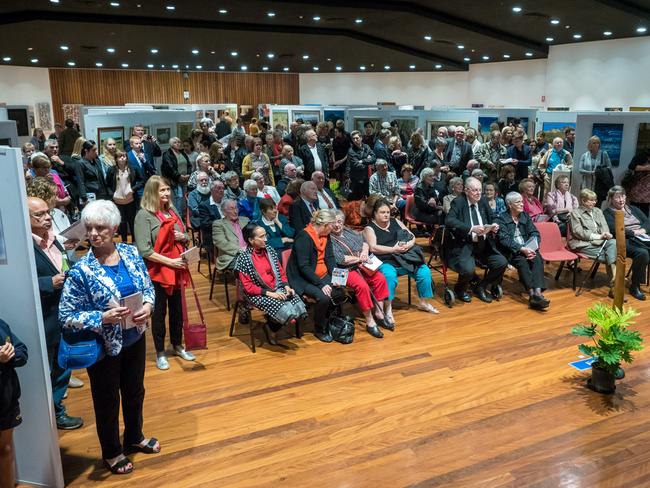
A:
{"x": 76, "y": 232}
{"x": 134, "y": 303}
{"x": 192, "y": 255}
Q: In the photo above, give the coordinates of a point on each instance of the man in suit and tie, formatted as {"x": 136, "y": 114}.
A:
{"x": 459, "y": 152}
{"x": 209, "y": 211}
{"x": 51, "y": 265}
{"x": 139, "y": 162}
{"x": 304, "y": 207}
{"x": 471, "y": 238}
{"x": 326, "y": 198}
{"x": 313, "y": 156}
{"x": 227, "y": 235}
{"x": 150, "y": 146}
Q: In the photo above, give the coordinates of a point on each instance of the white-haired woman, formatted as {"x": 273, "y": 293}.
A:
{"x": 264, "y": 190}
{"x": 90, "y": 302}
{"x": 203, "y": 165}
{"x": 176, "y": 168}
{"x": 249, "y": 206}
{"x": 590, "y": 160}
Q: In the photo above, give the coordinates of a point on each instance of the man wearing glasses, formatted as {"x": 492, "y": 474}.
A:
{"x": 472, "y": 238}
{"x": 51, "y": 266}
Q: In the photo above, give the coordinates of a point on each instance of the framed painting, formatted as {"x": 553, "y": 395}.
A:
{"x": 522, "y": 120}
{"x": 434, "y": 125}
{"x": 485, "y": 123}
{"x": 308, "y": 116}
{"x": 20, "y": 116}
{"x": 555, "y": 129}
{"x": 44, "y": 118}
{"x": 184, "y": 130}
{"x": 116, "y": 133}
{"x": 360, "y": 122}
{"x": 280, "y": 117}
{"x": 611, "y": 138}
{"x": 407, "y": 126}
{"x": 333, "y": 115}
{"x": 163, "y": 133}
{"x": 643, "y": 139}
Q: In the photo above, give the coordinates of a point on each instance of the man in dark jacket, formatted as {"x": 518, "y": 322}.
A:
{"x": 313, "y": 156}
{"x": 68, "y": 137}
{"x": 360, "y": 157}
{"x": 149, "y": 146}
{"x": 302, "y": 208}
{"x": 381, "y": 147}
{"x": 459, "y": 152}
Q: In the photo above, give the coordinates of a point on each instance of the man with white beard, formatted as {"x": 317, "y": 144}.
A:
{"x": 197, "y": 196}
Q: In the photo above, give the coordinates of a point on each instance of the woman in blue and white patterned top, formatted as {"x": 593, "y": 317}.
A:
{"x": 90, "y": 301}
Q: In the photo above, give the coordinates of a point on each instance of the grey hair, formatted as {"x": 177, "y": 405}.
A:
{"x": 250, "y": 184}
{"x": 101, "y": 212}
{"x": 472, "y": 180}
{"x": 215, "y": 182}
{"x": 229, "y": 175}
{"x": 50, "y": 142}
{"x": 173, "y": 140}
{"x": 617, "y": 189}
{"x": 207, "y": 120}
{"x": 381, "y": 162}
{"x": 255, "y": 176}
{"x": 341, "y": 213}
{"x": 441, "y": 141}
{"x": 512, "y": 196}
{"x": 225, "y": 202}
{"x": 453, "y": 182}
{"x": 39, "y": 154}
{"x": 322, "y": 217}
{"x": 426, "y": 172}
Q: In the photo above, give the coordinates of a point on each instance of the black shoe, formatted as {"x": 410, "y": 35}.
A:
{"x": 537, "y": 303}
{"x": 636, "y": 292}
{"x": 620, "y": 373}
{"x": 611, "y": 295}
{"x": 481, "y": 295}
{"x": 65, "y": 422}
{"x": 374, "y": 331}
{"x": 270, "y": 335}
{"x": 385, "y": 323}
{"x": 462, "y": 295}
{"x": 244, "y": 316}
{"x": 323, "y": 335}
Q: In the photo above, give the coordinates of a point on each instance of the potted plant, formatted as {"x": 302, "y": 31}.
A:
{"x": 613, "y": 343}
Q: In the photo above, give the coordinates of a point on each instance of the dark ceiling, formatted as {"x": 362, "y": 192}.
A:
{"x": 367, "y": 35}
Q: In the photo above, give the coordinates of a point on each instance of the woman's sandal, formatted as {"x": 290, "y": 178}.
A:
{"x": 120, "y": 467}
{"x": 428, "y": 308}
{"x": 148, "y": 448}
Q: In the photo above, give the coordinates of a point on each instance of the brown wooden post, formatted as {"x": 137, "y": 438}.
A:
{"x": 619, "y": 284}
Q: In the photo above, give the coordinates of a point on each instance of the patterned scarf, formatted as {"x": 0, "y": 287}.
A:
{"x": 244, "y": 264}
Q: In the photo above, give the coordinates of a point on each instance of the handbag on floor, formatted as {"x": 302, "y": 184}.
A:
{"x": 195, "y": 334}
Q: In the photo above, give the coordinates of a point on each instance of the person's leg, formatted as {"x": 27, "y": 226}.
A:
{"x": 497, "y": 265}
{"x": 390, "y": 274}
{"x": 640, "y": 258}
{"x": 132, "y": 390}
{"x": 379, "y": 288}
{"x": 158, "y": 318}
{"x": 321, "y": 312}
{"x": 424, "y": 284}
{"x": 105, "y": 390}
{"x": 60, "y": 378}
{"x": 124, "y": 224}
{"x": 7, "y": 459}
{"x": 174, "y": 302}
{"x": 524, "y": 271}
{"x": 131, "y": 211}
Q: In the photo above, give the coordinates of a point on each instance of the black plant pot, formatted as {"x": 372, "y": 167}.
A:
{"x": 601, "y": 381}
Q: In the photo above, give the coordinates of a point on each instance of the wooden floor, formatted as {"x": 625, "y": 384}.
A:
{"x": 479, "y": 396}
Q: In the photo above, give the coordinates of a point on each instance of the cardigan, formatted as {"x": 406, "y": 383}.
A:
{"x": 302, "y": 264}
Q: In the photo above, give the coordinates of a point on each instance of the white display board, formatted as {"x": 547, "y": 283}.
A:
{"x": 36, "y": 440}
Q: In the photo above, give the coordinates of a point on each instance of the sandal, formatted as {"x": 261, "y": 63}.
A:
{"x": 428, "y": 308}
{"x": 151, "y": 447}
{"x": 120, "y": 466}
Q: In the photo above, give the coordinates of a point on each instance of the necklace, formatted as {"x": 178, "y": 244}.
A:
{"x": 115, "y": 275}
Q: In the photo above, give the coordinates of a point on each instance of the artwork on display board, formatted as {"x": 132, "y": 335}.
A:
{"x": 72, "y": 111}
{"x": 308, "y": 116}
{"x": 407, "y": 126}
{"x": 5, "y": 142}
{"x": 44, "y": 118}
{"x": 3, "y": 246}
{"x": 522, "y": 120}
{"x": 434, "y": 125}
{"x": 611, "y": 138}
{"x": 555, "y": 129}
{"x": 198, "y": 115}
{"x": 280, "y": 117}
{"x": 557, "y": 109}
{"x": 643, "y": 139}
{"x": 333, "y": 115}
{"x": 246, "y": 113}
{"x": 163, "y": 133}
{"x": 116, "y": 133}
{"x": 486, "y": 122}
{"x": 613, "y": 109}
{"x": 20, "y": 116}
{"x": 639, "y": 109}
{"x": 184, "y": 130}
{"x": 360, "y": 122}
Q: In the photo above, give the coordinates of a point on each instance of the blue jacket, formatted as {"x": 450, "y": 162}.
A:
{"x": 88, "y": 291}
{"x": 274, "y": 239}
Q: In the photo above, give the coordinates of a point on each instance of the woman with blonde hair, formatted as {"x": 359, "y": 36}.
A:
{"x": 108, "y": 154}
{"x": 160, "y": 238}
{"x": 590, "y": 160}
{"x": 418, "y": 153}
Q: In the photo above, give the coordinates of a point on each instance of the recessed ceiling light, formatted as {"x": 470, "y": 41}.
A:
{"x": 387, "y": 67}
{"x": 362, "y": 68}
{"x": 175, "y": 66}
{"x": 270, "y": 14}
{"x": 577, "y": 36}
{"x": 270, "y": 55}
{"x": 338, "y": 68}
{"x": 199, "y": 66}
{"x": 607, "y": 33}
{"x": 150, "y": 66}
{"x": 529, "y": 54}
{"x": 412, "y": 66}
{"x": 329, "y": 59}
{"x": 187, "y": 66}
{"x": 427, "y": 38}
{"x": 222, "y": 67}
{"x": 162, "y": 65}
{"x": 34, "y": 60}
{"x": 517, "y": 9}
{"x": 129, "y": 51}
{"x": 6, "y": 59}
{"x": 315, "y": 68}
{"x": 555, "y": 21}
{"x": 30, "y": 48}
{"x": 170, "y": 7}
{"x": 461, "y": 46}
{"x": 54, "y": 1}
{"x": 115, "y": 4}
{"x": 466, "y": 59}
{"x": 316, "y": 18}
{"x": 549, "y": 39}
{"x": 98, "y": 64}
{"x": 485, "y": 58}
{"x": 265, "y": 68}
{"x": 234, "y": 53}
{"x": 110, "y": 49}
{"x": 305, "y": 56}
{"x": 223, "y": 11}
{"x": 64, "y": 48}
{"x": 286, "y": 68}
{"x": 438, "y": 66}
{"x": 153, "y": 51}
{"x": 641, "y": 30}
{"x": 71, "y": 63}
{"x": 358, "y": 21}
{"x": 195, "y": 51}
{"x": 506, "y": 56}
{"x": 213, "y": 52}
{"x": 125, "y": 65}
{"x": 244, "y": 67}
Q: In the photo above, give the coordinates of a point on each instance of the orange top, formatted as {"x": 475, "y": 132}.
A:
{"x": 320, "y": 242}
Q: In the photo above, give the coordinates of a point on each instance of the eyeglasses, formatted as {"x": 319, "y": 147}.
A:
{"x": 40, "y": 215}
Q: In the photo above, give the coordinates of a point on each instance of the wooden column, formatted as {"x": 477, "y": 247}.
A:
{"x": 619, "y": 284}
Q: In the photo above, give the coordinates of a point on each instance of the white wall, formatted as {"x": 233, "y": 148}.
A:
{"x": 509, "y": 84}
{"x": 25, "y": 86}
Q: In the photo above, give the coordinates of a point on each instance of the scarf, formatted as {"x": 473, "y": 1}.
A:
{"x": 244, "y": 264}
{"x": 167, "y": 245}
{"x": 321, "y": 243}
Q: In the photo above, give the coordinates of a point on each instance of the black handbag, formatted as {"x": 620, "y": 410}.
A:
{"x": 341, "y": 328}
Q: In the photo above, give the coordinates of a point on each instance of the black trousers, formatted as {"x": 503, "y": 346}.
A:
{"x": 531, "y": 271}
{"x": 482, "y": 252}
{"x": 640, "y": 258}
{"x": 321, "y": 307}
{"x": 359, "y": 188}
{"x": 111, "y": 378}
{"x": 158, "y": 329}
{"x": 127, "y": 224}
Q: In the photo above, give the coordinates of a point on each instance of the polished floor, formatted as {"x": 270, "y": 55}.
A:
{"x": 481, "y": 395}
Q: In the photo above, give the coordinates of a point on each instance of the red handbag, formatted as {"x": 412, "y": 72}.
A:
{"x": 196, "y": 335}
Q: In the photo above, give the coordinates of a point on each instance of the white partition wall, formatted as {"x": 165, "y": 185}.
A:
{"x": 36, "y": 440}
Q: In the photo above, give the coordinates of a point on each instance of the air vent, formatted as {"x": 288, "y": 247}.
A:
{"x": 334, "y": 19}
{"x": 444, "y": 41}
{"x": 88, "y": 3}
{"x": 537, "y": 15}
{"x": 89, "y": 48}
{"x": 286, "y": 56}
